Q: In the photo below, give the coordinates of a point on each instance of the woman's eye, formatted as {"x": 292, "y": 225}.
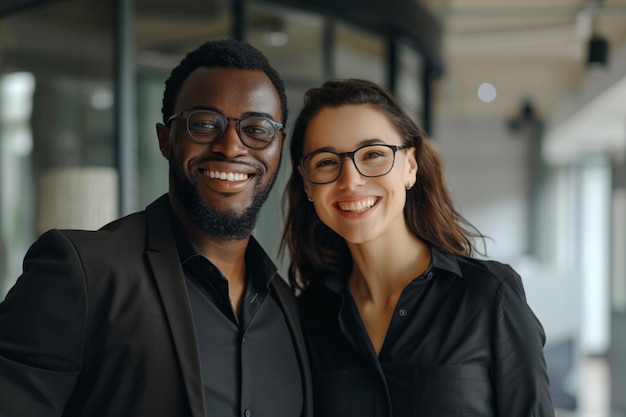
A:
{"x": 373, "y": 155}
{"x": 325, "y": 163}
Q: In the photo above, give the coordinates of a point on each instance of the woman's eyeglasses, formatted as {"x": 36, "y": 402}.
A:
{"x": 323, "y": 166}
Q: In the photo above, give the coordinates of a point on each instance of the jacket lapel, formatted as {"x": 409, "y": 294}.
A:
{"x": 163, "y": 257}
{"x": 288, "y": 303}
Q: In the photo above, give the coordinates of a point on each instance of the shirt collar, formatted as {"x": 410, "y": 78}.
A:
{"x": 262, "y": 272}
{"x": 445, "y": 261}
{"x": 440, "y": 260}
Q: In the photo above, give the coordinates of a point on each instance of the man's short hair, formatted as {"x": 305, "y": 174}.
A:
{"x": 220, "y": 53}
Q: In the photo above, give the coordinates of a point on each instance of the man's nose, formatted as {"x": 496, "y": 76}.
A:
{"x": 229, "y": 144}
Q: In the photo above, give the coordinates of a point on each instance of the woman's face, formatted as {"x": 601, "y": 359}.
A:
{"x": 358, "y": 208}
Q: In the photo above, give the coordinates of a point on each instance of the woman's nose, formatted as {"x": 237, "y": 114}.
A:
{"x": 349, "y": 176}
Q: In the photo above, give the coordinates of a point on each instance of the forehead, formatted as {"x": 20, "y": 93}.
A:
{"x": 230, "y": 90}
{"x": 347, "y": 127}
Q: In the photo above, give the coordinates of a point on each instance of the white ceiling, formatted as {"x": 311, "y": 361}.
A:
{"x": 530, "y": 50}
{"x": 534, "y": 52}
{"x": 591, "y": 119}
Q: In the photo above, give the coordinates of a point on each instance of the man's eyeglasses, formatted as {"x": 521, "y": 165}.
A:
{"x": 205, "y": 126}
{"x": 323, "y": 167}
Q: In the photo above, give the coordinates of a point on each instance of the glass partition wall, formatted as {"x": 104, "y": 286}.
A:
{"x": 57, "y": 165}
{"x": 58, "y": 85}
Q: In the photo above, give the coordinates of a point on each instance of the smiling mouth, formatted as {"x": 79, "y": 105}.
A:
{"x": 224, "y": 175}
{"x": 357, "y": 206}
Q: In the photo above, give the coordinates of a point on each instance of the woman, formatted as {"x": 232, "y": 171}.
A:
{"x": 400, "y": 320}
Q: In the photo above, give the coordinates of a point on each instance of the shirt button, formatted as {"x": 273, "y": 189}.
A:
{"x": 429, "y": 276}
{"x": 247, "y": 413}
{"x": 402, "y": 312}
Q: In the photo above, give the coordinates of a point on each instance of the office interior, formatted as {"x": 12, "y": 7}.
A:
{"x": 525, "y": 99}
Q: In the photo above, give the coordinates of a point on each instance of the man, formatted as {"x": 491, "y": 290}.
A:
{"x": 176, "y": 310}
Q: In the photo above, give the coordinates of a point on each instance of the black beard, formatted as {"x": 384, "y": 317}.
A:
{"x": 219, "y": 224}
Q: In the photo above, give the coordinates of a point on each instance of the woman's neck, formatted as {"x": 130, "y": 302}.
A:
{"x": 382, "y": 268}
{"x": 380, "y": 272}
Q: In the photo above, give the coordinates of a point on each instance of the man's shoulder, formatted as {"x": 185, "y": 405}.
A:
{"x": 131, "y": 225}
{"x": 122, "y": 234}
{"x": 158, "y": 209}
{"x": 129, "y": 222}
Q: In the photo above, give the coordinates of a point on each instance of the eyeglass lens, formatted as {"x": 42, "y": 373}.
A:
{"x": 206, "y": 127}
{"x": 370, "y": 161}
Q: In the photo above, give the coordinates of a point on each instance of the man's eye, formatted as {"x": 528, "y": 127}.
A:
{"x": 257, "y": 131}
{"x": 203, "y": 124}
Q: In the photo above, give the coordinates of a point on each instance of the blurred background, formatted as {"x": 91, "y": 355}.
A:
{"x": 525, "y": 99}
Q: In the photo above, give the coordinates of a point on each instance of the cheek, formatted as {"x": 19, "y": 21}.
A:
{"x": 396, "y": 192}
{"x": 172, "y": 151}
{"x": 317, "y": 191}
{"x": 184, "y": 153}
{"x": 270, "y": 158}
{"x": 400, "y": 198}
{"x": 323, "y": 203}
{"x": 178, "y": 152}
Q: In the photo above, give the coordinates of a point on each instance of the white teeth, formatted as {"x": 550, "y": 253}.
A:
{"x": 226, "y": 176}
{"x": 358, "y": 206}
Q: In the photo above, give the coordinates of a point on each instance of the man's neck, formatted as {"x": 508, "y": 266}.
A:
{"x": 229, "y": 256}
{"x": 226, "y": 253}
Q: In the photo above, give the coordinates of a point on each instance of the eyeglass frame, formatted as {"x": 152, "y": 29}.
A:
{"x": 187, "y": 114}
{"x": 344, "y": 155}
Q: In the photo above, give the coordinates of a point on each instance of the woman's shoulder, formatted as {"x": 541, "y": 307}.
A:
{"x": 471, "y": 268}
{"x": 493, "y": 268}
{"x": 484, "y": 278}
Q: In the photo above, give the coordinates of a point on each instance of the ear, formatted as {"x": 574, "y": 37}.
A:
{"x": 163, "y": 134}
{"x": 411, "y": 167}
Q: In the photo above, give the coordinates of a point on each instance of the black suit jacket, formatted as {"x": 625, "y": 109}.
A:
{"x": 99, "y": 324}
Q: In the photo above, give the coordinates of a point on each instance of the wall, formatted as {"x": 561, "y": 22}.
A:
{"x": 487, "y": 168}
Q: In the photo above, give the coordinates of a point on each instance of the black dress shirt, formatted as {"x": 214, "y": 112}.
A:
{"x": 249, "y": 365}
{"x": 462, "y": 342}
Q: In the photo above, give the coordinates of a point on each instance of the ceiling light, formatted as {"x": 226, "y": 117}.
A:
{"x": 487, "y": 92}
{"x": 597, "y": 52}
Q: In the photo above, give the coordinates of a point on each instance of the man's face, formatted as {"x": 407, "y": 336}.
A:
{"x": 222, "y": 185}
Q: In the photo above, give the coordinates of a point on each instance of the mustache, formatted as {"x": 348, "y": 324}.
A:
{"x": 238, "y": 160}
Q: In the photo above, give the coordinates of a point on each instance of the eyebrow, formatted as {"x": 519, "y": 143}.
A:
{"x": 364, "y": 142}
{"x": 243, "y": 116}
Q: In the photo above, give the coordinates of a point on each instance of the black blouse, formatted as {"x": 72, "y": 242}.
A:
{"x": 462, "y": 342}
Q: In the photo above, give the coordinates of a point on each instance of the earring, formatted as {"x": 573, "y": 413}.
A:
{"x": 310, "y": 199}
{"x": 408, "y": 186}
